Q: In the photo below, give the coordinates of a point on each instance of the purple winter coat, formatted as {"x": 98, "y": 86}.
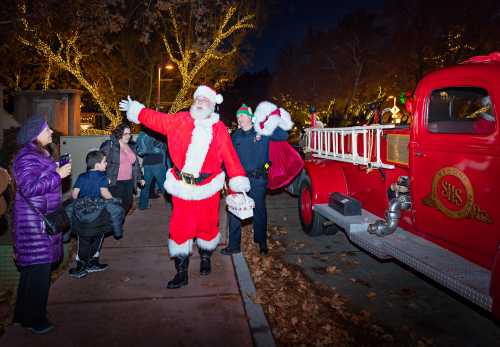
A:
{"x": 36, "y": 177}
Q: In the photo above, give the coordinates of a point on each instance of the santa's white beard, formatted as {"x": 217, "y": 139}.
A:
{"x": 200, "y": 112}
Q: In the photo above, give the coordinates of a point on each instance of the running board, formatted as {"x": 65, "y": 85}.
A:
{"x": 449, "y": 269}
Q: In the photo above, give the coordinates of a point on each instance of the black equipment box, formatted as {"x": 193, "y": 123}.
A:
{"x": 344, "y": 204}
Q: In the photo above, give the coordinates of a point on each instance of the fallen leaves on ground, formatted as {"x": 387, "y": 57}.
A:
{"x": 360, "y": 281}
{"x": 278, "y": 230}
{"x": 331, "y": 269}
{"x": 303, "y": 313}
{"x": 408, "y": 292}
{"x": 297, "y": 313}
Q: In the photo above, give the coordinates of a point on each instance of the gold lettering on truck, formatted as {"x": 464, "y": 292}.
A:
{"x": 452, "y": 194}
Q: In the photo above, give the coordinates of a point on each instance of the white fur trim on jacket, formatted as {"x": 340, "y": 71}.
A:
{"x": 208, "y": 245}
{"x": 239, "y": 184}
{"x": 201, "y": 137}
{"x": 193, "y": 192}
{"x": 174, "y": 249}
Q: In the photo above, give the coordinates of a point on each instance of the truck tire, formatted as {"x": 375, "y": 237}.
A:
{"x": 312, "y": 223}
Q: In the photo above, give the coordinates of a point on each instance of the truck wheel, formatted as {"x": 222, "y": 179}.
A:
{"x": 312, "y": 223}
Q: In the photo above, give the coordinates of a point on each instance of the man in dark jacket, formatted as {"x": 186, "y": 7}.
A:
{"x": 253, "y": 151}
{"x": 153, "y": 153}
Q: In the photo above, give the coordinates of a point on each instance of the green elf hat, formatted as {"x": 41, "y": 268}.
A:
{"x": 244, "y": 110}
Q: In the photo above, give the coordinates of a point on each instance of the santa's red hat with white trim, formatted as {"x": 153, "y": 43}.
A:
{"x": 209, "y": 93}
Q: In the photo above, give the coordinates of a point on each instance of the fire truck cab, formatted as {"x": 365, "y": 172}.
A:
{"x": 427, "y": 191}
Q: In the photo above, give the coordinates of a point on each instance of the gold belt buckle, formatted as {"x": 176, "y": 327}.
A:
{"x": 187, "y": 178}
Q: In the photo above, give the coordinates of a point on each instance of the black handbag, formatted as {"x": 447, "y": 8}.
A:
{"x": 55, "y": 222}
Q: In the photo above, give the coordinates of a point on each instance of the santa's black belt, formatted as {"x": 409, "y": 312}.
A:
{"x": 189, "y": 178}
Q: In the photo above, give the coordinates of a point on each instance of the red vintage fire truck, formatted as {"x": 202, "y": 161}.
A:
{"x": 427, "y": 191}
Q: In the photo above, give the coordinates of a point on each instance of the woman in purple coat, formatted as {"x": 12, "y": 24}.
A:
{"x": 38, "y": 179}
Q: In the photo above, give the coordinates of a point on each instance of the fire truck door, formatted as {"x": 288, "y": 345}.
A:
{"x": 455, "y": 166}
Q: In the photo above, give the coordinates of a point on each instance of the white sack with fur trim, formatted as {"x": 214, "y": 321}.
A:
{"x": 265, "y": 123}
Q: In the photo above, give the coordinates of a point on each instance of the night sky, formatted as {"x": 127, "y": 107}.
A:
{"x": 291, "y": 19}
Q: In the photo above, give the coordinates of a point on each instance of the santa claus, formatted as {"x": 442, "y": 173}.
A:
{"x": 199, "y": 144}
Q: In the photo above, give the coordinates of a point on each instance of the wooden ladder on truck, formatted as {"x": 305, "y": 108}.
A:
{"x": 350, "y": 144}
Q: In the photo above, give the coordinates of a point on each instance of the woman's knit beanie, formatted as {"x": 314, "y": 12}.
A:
{"x": 30, "y": 129}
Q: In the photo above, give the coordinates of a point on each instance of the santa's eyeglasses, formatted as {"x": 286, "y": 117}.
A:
{"x": 202, "y": 101}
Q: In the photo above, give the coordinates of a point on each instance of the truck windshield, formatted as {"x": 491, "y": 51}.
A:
{"x": 461, "y": 110}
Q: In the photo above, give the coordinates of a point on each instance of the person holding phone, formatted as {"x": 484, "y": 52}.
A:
{"x": 38, "y": 182}
{"x": 123, "y": 170}
{"x": 64, "y": 159}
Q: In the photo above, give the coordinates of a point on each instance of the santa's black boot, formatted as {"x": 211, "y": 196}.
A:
{"x": 205, "y": 264}
{"x": 181, "y": 277}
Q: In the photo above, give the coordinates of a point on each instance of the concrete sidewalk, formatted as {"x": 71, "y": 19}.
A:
{"x": 129, "y": 305}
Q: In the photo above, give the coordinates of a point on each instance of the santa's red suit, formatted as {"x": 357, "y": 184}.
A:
{"x": 197, "y": 148}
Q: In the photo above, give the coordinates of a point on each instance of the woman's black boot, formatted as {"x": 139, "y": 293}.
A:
{"x": 181, "y": 277}
{"x": 205, "y": 264}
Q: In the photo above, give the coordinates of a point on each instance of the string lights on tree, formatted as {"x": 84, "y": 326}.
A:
{"x": 46, "y": 80}
{"x": 300, "y": 111}
{"x": 456, "y": 48}
{"x": 190, "y": 62}
{"x": 68, "y": 58}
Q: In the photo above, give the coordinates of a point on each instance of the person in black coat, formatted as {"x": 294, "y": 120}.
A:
{"x": 123, "y": 170}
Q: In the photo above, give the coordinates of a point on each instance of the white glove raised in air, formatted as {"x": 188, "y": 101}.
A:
{"x": 132, "y": 107}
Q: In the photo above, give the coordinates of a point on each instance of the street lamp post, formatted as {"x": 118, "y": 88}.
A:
{"x": 168, "y": 66}
{"x": 158, "y": 77}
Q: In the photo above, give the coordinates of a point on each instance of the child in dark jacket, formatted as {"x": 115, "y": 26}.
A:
{"x": 88, "y": 214}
